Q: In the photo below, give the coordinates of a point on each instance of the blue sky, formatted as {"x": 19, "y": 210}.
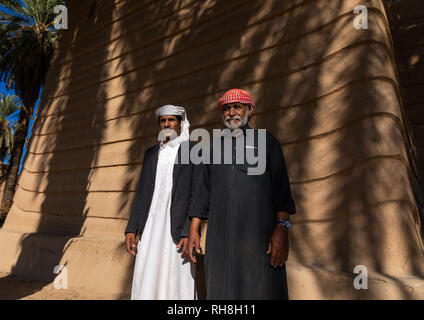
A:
{"x": 3, "y": 90}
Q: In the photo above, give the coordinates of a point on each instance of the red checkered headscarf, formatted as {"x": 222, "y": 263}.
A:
{"x": 235, "y": 95}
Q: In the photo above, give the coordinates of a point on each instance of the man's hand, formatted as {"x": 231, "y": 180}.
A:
{"x": 193, "y": 242}
{"x": 182, "y": 245}
{"x": 130, "y": 243}
{"x": 278, "y": 246}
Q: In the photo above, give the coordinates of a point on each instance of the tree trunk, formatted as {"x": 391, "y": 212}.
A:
{"x": 21, "y": 131}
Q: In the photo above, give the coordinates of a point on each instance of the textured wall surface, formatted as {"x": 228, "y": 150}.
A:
{"x": 407, "y": 26}
{"x": 327, "y": 91}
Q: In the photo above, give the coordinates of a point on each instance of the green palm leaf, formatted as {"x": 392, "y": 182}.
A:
{"x": 27, "y": 40}
{"x": 9, "y": 105}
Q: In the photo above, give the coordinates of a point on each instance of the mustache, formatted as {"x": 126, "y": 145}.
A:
{"x": 227, "y": 118}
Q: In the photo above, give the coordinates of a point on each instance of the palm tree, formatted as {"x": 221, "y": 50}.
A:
{"x": 27, "y": 39}
{"x": 9, "y": 105}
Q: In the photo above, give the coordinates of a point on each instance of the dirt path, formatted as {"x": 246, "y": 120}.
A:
{"x": 14, "y": 288}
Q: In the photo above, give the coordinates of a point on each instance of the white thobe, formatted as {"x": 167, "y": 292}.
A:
{"x": 160, "y": 272}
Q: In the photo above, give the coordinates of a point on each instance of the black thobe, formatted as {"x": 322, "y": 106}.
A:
{"x": 241, "y": 211}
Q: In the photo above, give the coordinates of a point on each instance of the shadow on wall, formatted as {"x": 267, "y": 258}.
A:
{"x": 267, "y": 48}
{"x": 312, "y": 92}
{"x": 61, "y": 194}
{"x": 407, "y": 28}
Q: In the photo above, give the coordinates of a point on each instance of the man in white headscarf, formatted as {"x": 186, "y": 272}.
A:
{"x": 159, "y": 214}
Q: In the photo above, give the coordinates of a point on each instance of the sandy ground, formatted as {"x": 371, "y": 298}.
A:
{"x": 14, "y": 288}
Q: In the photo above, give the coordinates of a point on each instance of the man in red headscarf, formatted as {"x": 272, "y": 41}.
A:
{"x": 248, "y": 215}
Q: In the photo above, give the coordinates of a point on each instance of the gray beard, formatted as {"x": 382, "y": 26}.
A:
{"x": 240, "y": 124}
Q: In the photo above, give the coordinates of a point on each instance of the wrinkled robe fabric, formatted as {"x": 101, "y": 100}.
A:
{"x": 241, "y": 211}
{"x": 160, "y": 273}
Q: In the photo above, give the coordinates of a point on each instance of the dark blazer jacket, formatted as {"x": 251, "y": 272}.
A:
{"x": 181, "y": 195}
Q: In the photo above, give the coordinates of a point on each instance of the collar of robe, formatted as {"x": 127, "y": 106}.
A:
{"x": 244, "y": 128}
{"x": 173, "y": 142}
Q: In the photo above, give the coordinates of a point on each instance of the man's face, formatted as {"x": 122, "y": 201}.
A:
{"x": 236, "y": 115}
{"x": 170, "y": 122}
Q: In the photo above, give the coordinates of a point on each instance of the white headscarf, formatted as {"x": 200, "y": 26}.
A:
{"x": 171, "y": 110}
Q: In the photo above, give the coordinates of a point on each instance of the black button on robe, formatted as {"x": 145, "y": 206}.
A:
{"x": 241, "y": 211}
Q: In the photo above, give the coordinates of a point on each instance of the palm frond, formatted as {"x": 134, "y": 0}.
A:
{"x": 13, "y": 5}
{"x": 42, "y": 11}
{"x": 27, "y": 41}
{"x": 9, "y": 105}
{"x": 26, "y": 47}
{"x": 6, "y": 18}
